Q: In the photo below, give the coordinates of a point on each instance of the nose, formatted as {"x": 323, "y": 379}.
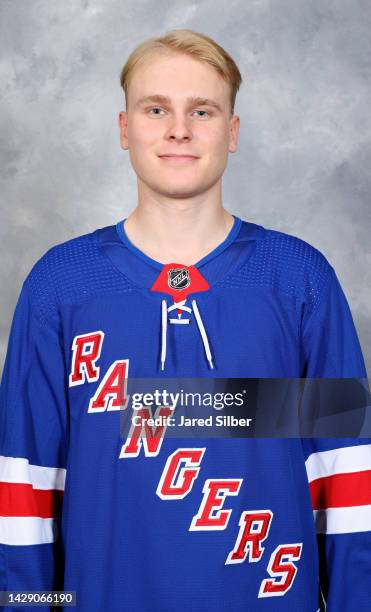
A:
{"x": 179, "y": 129}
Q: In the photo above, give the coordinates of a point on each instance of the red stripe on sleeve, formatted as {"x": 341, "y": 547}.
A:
{"x": 18, "y": 499}
{"x": 341, "y": 490}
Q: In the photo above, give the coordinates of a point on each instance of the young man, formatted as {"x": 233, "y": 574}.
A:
{"x": 181, "y": 288}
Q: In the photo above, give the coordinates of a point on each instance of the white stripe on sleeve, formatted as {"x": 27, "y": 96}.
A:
{"x": 19, "y": 470}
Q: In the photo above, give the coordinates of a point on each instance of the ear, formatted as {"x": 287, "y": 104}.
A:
{"x": 234, "y": 127}
{"x": 123, "y": 121}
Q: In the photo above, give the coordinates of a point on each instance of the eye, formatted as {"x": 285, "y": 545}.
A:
{"x": 206, "y": 114}
{"x": 155, "y": 108}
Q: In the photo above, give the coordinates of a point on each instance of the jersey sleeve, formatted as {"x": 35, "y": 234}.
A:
{"x": 339, "y": 469}
{"x": 330, "y": 345}
{"x": 339, "y": 476}
{"x": 33, "y": 451}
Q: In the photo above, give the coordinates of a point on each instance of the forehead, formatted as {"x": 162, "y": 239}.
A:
{"x": 178, "y": 76}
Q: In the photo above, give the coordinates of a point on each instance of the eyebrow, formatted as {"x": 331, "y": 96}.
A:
{"x": 192, "y": 101}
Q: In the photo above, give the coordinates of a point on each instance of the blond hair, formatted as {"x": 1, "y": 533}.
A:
{"x": 197, "y": 45}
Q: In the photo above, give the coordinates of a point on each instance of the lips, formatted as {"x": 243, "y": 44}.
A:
{"x": 176, "y": 156}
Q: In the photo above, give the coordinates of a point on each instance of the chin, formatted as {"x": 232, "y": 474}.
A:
{"x": 182, "y": 190}
{"x": 178, "y": 195}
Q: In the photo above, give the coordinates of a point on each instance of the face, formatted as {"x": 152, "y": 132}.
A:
{"x": 178, "y": 127}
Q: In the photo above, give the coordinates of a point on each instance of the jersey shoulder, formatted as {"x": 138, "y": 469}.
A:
{"x": 285, "y": 264}
{"x": 291, "y": 255}
{"x": 70, "y": 272}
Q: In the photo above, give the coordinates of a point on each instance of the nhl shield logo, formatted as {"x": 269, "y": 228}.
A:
{"x": 179, "y": 278}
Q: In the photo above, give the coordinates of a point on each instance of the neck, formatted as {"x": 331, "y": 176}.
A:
{"x": 178, "y": 230}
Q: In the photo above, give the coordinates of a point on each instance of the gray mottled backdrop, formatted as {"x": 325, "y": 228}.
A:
{"x": 304, "y": 158}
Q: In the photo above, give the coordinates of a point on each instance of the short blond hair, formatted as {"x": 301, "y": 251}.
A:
{"x": 198, "y": 46}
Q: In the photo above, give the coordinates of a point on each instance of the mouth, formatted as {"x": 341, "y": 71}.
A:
{"x": 178, "y": 158}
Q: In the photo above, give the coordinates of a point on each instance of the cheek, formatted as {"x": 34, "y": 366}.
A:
{"x": 216, "y": 137}
{"x": 142, "y": 134}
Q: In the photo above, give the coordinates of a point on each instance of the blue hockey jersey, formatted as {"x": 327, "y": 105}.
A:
{"x": 157, "y": 524}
